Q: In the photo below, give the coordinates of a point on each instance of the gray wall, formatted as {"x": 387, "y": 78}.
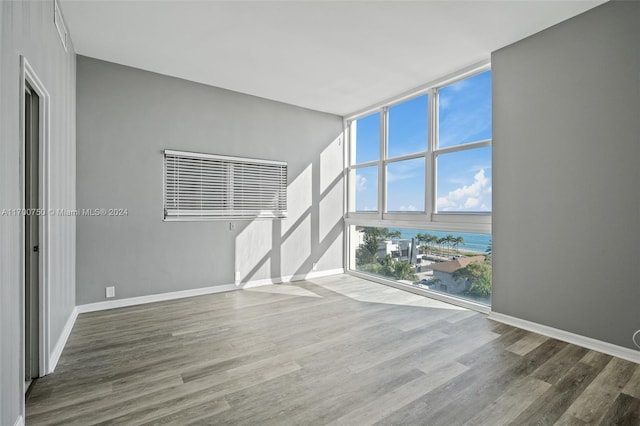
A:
{"x": 27, "y": 28}
{"x": 566, "y": 194}
{"x": 127, "y": 116}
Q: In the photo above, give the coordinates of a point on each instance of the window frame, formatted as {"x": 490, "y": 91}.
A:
{"x": 430, "y": 218}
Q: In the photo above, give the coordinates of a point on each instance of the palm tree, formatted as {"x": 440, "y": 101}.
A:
{"x": 392, "y": 234}
{"x": 425, "y": 240}
{"x": 404, "y": 271}
{"x": 432, "y": 240}
{"x": 449, "y": 239}
{"x": 420, "y": 238}
{"x": 440, "y": 242}
{"x": 489, "y": 252}
{"x": 393, "y": 268}
{"x": 457, "y": 241}
{"x": 368, "y": 252}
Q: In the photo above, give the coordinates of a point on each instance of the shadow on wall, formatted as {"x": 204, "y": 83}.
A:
{"x": 268, "y": 250}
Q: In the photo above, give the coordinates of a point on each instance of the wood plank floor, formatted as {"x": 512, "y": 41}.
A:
{"x": 337, "y": 350}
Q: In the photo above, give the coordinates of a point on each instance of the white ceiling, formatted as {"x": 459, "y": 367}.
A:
{"x": 333, "y": 56}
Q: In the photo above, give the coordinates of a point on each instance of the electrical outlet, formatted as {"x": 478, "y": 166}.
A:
{"x": 111, "y": 291}
{"x": 232, "y": 226}
{"x": 315, "y": 266}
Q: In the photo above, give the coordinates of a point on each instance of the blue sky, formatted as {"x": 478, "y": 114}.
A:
{"x": 464, "y": 177}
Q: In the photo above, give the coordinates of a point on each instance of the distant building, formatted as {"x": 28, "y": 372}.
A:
{"x": 397, "y": 248}
{"x": 443, "y": 271}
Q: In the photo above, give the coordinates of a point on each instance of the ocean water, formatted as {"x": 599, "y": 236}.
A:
{"x": 472, "y": 242}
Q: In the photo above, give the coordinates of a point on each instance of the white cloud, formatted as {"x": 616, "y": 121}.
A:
{"x": 444, "y": 102}
{"x": 473, "y": 190}
{"x": 468, "y": 197}
{"x": 409, "y": 208}
{"x": 471, "y": 203}
{"x": 443, "y": 202}
{"x": 361, "y": 183}
{"x": 458, "y": 86}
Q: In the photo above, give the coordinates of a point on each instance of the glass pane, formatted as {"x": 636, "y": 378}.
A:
{"x": 365, "y": 183}
{"x": 464, "y": 111}
{"x": 464, "y": 181}
{"x": 408, "y": 127}
{"x": 367, "y": 138}
{"x": 405, "y": 185}
{"x": 455, "y": 263}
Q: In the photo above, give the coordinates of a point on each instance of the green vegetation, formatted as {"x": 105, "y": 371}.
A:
{"x": 430, "y": 242}
{"x": 478, "y": 274}
{"x": 368, "y": 251}
{"x": 456, "y": 241}
{"x": 396, "y": 269}
{"x": 489, "y": 252}
{"x": 368, "y": 260}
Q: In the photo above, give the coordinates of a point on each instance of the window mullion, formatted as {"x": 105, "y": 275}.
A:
{"x": 432, "y": 143}
{"x": 392, "y": 195}
{"x": 464, "y": 147}
{"x": 350, "y": 159}
{"x": 382, "y": 169}
{"x": 404, "y": 158}
{"x": 363, "y": 165}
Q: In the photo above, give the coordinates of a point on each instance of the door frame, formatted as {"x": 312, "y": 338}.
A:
{"x": 29, "y": 76}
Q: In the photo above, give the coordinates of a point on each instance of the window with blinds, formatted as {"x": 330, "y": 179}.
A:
{"x": 206, "y": 186}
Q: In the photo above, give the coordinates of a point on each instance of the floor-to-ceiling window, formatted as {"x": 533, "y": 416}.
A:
{"x": 419, "y": 204}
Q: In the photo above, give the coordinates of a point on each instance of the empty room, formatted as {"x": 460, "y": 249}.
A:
{"x": 319, "y": 212}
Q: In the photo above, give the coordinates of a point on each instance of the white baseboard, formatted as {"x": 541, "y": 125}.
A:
{"x": 292, "y": 278}
{"x": 311, "y": 275}
{"x": 19, "y": 421}
{"x": 576, "y": 339}
{"x": 62, "y": 340}
{"x": 140, "y": 300}
{"x": 121, "y": 303}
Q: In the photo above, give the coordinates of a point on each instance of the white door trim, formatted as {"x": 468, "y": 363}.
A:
{"x": 28, "y": 75}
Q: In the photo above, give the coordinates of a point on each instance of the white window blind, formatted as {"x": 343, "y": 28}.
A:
{"x": 206, "y": 186}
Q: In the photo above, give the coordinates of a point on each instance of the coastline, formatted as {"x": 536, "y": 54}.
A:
{"x": 473, "y": 243}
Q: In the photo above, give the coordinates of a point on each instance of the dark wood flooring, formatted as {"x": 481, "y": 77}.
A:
{"x": 337, "y": 350}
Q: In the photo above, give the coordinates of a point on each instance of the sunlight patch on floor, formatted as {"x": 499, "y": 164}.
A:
{"x": 369, "y": 291}
{"x": 291, "y": 290}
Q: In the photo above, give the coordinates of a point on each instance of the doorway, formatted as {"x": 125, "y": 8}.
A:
{"x": 34, "y": 241}
{"x": 31, "y": 235}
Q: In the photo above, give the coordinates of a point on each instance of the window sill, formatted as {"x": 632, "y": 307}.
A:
{"x": 458, "y": 222}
